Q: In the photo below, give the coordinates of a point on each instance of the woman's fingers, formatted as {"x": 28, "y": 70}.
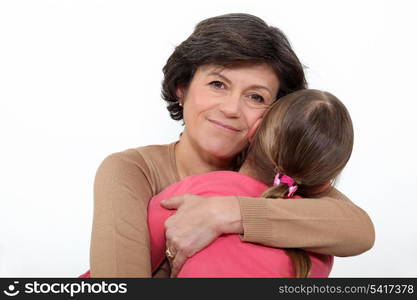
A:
{"x": 177, "y": 255}
{"x": 198, "y": 222}
{"x": 174, "y": 202}
{"x": 190, "y": 229}
{"x": 177, "y": 262}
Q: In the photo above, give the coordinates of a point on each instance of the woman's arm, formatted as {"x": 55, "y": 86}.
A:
{"x": 330, "y": 224}
{"x": 120, "y": 239}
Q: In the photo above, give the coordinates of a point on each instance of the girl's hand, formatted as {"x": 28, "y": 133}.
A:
{"x": 198, "y": 222}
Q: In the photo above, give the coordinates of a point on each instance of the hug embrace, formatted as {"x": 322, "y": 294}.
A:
{"x": 247, "y": 190}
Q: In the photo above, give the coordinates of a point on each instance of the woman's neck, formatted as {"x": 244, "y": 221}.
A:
{"x": 191, "y": 161}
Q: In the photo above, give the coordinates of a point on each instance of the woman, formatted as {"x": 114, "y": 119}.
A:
{"x": 220, "y": 82}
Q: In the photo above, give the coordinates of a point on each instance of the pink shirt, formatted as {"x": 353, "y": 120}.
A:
{"x": 227, "y": 256}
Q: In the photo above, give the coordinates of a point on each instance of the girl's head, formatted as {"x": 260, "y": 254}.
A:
{"x": 228, "y": 41}
{"x": 307, "y": 135}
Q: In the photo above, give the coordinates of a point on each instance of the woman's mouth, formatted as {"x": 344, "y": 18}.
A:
{"x": 224, "y": 126}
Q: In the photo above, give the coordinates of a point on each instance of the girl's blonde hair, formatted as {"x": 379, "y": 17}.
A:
{"x": 307, "y": 135}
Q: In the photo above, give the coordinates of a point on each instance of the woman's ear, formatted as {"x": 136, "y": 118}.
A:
{"x": 180, "y": 95}
{"x": 253, "y": 129}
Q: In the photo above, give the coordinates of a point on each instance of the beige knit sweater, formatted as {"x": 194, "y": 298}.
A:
{"x": 125, "y": 181}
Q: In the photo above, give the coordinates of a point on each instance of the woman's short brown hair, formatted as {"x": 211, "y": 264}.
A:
{"x": 229, "y": 40}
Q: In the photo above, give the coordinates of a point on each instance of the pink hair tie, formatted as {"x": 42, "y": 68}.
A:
{"x": 281, "y": 178}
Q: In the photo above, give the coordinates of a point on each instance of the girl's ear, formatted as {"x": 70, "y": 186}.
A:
{"x": 253, "y": 129}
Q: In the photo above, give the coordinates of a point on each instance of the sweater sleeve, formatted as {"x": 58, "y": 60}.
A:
{"x": 330, "y": 224}
{"x": 120, "y": 240}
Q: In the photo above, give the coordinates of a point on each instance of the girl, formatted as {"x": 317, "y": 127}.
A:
{"x": 219, "y": 82}
{"x": 302, "y": 144}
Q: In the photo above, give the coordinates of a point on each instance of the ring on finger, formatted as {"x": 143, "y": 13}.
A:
{"x": 169, "y": 253}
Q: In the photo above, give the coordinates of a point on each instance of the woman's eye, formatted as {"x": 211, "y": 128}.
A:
{"x": 217, "y": 84}
{"x": 257, "y": 98}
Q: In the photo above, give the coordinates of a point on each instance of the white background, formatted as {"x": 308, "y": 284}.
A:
{"x": 81, "y": 79}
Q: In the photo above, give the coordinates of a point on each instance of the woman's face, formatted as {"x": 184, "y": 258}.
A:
{"x": 222, "y": 106}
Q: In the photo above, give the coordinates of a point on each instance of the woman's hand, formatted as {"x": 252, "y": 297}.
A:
{"x": 198, "y": 222}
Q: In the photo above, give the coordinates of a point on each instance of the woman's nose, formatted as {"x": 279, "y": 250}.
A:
{"x": 231, "y": 106}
